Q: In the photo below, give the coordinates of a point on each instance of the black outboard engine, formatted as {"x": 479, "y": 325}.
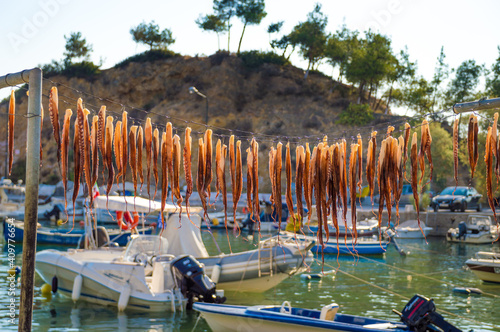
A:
{"x": 420, "y": 316}
{"x": 462, "y": 230}
{"x": 193, "y": 282}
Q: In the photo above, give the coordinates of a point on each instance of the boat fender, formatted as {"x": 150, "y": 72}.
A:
{"x": 124, "y": 297}
{"x": 216, "y": 273}
{"x": 54, "y": 284}
{"x": 77, "y": 288}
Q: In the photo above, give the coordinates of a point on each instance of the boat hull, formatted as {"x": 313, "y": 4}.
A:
{"x": 224, "y": 318}
{"x": 240, "y": 271}
{"x": 47, "y": 235}
{"x": 102, "y": 283}
{"x": 484, "y": 267}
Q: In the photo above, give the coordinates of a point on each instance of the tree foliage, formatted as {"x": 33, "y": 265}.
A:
{"x": 225, "y": 10}
{"x": 493, "y": 82}
{"x": 356, "y": 115}
{"x": 151, "y": 35}
{"x": 250, "y": 12}
{"x": 76, "y": 47}
{"x": 463, "y": 86}
{"x": 311, "y": 37}
{"x": 213, "y": 23}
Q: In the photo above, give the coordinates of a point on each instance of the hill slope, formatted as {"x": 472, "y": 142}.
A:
{"x": 269, "y": 99}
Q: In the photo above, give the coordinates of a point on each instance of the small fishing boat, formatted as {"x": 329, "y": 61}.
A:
{"x": 364, "y": 228}
{"x": 418, "y": 315}
{"x": 486, "y": 266}
{"x": 349, "y": 246}
{"x": 65, "y": 236}
{"x": 477, "y": 230}
{"x": 144, "y": 277}
{"x": 258, "y": 270}
{"x": 409, "y": 230}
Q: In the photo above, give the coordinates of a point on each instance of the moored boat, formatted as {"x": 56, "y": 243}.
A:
{"x": 486, "y": 266}
{"x": 143, "y": 277}
{"x": 418, "y": 315}
{"x": 64, "y": 236}
{"x": 476, "y": 230}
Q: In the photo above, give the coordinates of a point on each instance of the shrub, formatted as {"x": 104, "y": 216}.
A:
{"x": 84, "y": 69}
{"x": 356, "y": 115}
{"x": 255, "y": 59}
{"x": 148, "y": 56}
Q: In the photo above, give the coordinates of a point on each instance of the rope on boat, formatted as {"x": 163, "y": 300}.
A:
{"x": 407, "y": 298}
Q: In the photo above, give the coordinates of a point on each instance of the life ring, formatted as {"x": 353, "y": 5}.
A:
{"x": 131, "y": 222}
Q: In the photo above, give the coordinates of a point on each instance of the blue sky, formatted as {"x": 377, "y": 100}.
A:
{"x": 32, "y": 31}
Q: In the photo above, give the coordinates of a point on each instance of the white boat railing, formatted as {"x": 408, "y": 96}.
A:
{"x": 487, "y": 255}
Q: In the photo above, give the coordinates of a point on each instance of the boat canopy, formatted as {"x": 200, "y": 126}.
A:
{"x": 131, "y": 203}
{"x": 184, "y": 236}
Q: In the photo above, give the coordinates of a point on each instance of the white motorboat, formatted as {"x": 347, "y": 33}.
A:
{"x": 477, "y": 230}
{"x": 275, "y": 259}
{"x": 486, "y": 266}
{"x": 409, "y": 230}
{"x": 143, "y": 277}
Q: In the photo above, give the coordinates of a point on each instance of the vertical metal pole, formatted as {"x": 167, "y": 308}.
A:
{"x": 31, "y": 202}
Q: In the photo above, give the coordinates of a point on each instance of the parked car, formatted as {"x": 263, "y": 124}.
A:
{"x": 457, "y": 198}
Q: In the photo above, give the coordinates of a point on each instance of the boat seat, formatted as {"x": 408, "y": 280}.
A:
{"x": 328, "y": 312}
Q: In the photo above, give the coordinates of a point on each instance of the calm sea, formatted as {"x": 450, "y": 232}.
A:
{"x": 362, "y": 286}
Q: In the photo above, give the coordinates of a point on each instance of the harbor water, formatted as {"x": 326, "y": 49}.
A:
{"x": 368, "y": 286}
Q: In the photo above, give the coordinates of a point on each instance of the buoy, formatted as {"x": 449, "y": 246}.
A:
{"x": 124, "y": 297}
{"x": 82, "y": 223}
{"x": 46, "y": 289}
{"x": 15, "y": 270}
{"x": 313, "y": 276}
{"x": 466, "y": 290}
{"x": 59, "y": 222}
{"x": 216, "y": 273}
{"x": 77, "y": 288}
{"x": 215, "y": 222}
{"x": 54, "y": 284}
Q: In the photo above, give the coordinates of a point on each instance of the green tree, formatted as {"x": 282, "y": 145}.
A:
{"x": 212, "y": 23}
{"x": 311, "y": 37}
{"x": 463, "y": 86}
{"x": 493, "y": 82}
{"x": 151, "y": 35}
{"x": 274, "y": 28}
{"x": 416, "y": 96}
{"x": 251, "y": 12}
{"x": 225, "y": 10}
{"x": 371, "y": 63}
{"x": 76, "y": 47}
{"x": 339, "y": 49}
{"x": 441, "y": 73}
{"x": 402, "y": 71}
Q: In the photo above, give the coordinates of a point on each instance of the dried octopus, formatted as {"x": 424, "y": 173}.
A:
{"x": 288, "y": 193}
{"x": 353, "y": 159}
{"x": 176, "y": 165}
{"x": 156, "y": 151}
{"x": 187, "y": 167}
{"x": 64, "y": 154}
{"x": 108, "y": 159}
{"x": 371, "y": 162}
{"x": 488, "y": 160}
{"x": 472, "y": 141}
{"x": 54, "y": 119}
{"x": 148, "y": 138}
{"x": 425, "y": 150}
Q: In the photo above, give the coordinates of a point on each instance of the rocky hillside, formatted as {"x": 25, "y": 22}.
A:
{"x": 268, "y": 99}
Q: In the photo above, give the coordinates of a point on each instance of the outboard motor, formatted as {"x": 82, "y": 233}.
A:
{"x": 193, "y": 282}
{"x": 462, "y": 230}
{"x": 420, "y": 316}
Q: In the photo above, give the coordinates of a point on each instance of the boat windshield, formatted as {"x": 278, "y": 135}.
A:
{"x": 454, "y": 191}
{"x": 479, "y": 220}
{"x": 150, "y": 245}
